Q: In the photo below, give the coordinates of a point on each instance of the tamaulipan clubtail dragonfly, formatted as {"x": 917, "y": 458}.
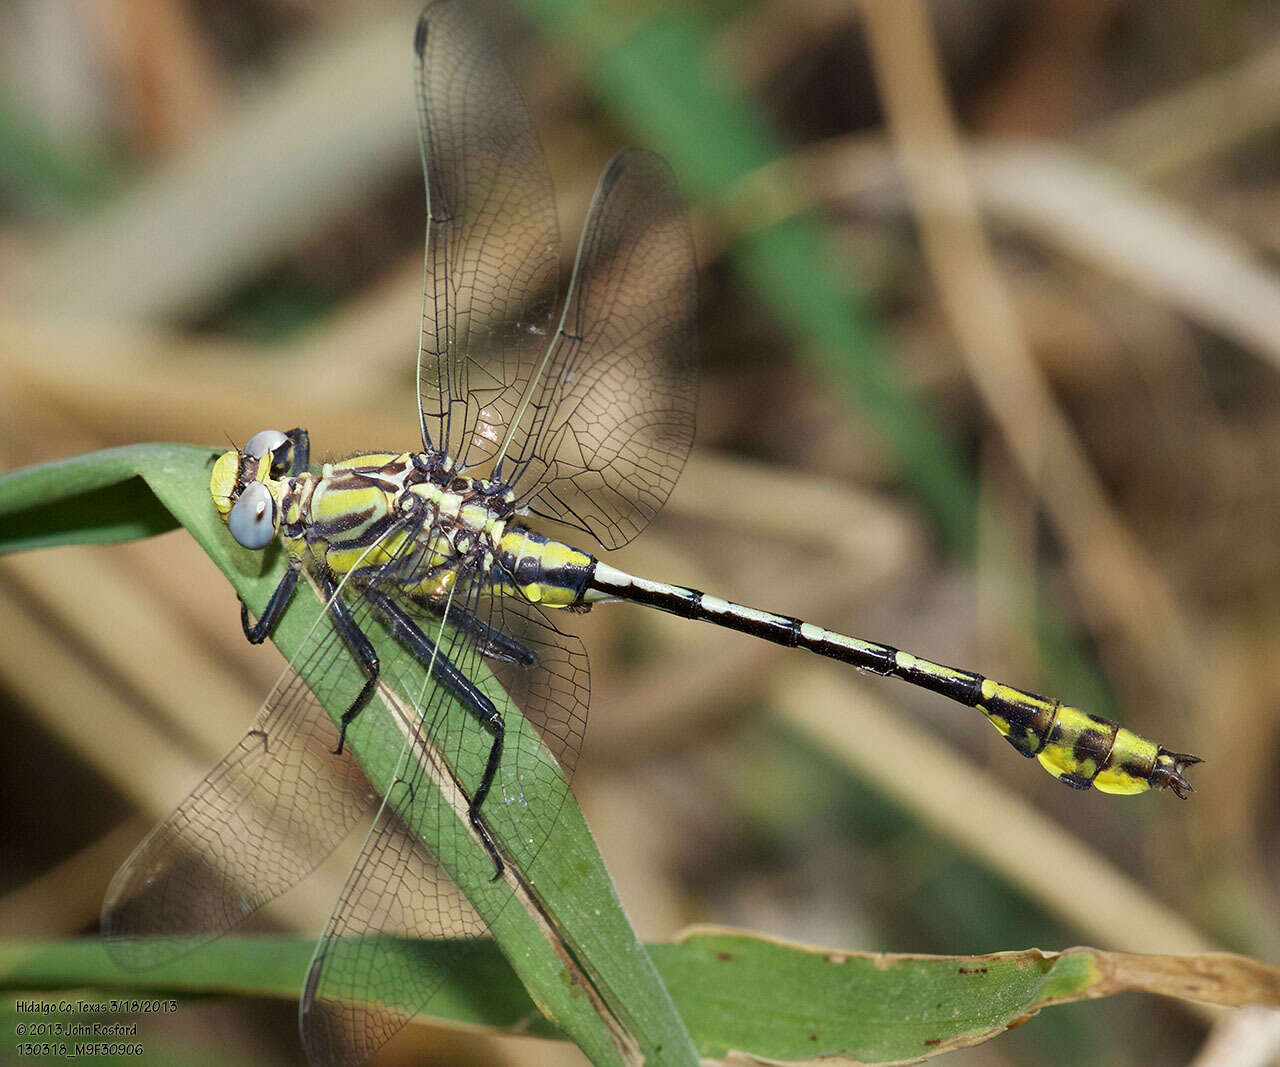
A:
{"x": 586, "y": 421}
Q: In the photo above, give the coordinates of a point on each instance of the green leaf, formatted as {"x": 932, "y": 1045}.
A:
{"x": 763, "y": 997}
{"x": 786, "y": 1002}
{"x": 101, "y": 498}
{"x": 485, "y": 991}
{"x": 559, "y": 922}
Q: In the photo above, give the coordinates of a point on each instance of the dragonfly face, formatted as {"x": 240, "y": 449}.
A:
{"x": 244, "y": 500}
{"x": 246, "y": 487}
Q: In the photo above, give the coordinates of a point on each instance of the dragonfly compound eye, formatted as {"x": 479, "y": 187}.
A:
{"x": 252, "y": 520}
{"x": 264, "y": 441}
{"x": 274, "y": 446}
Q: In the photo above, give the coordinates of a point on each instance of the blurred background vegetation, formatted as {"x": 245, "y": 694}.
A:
{"x": 1020, "y": 416}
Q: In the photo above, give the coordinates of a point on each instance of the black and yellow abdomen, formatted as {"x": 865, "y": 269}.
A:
{"x": 549, "y": 573}
{"x": 1079, "y": 749}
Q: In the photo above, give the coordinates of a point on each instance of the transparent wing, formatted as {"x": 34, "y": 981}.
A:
{"x": 611, "y": 416}
{"x": 259, "y": 822}
{"x": 492, "y": 240}
{"x": 363, "y": 985}
{"x": 365, "y": 981}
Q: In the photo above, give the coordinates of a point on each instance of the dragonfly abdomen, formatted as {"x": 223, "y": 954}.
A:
{"x": 549, "y": 573}
{"x": 1079, "y": 749}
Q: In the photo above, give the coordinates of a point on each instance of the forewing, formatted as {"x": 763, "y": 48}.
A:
{"x": 611, "y": 421}
{"x": 261, "y": 821}
{"x": 492, "y": 240}
{"x": 363, "y": 985}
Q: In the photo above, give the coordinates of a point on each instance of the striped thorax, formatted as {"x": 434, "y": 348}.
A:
{"x": 408, "y": 517}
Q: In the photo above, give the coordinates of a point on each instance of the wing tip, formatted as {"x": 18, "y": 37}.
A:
{"x": 420, "y": 31}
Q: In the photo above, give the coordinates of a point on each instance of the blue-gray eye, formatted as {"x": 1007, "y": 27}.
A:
{"x": 252, "y": 519}
{"x": 262, "y": 442}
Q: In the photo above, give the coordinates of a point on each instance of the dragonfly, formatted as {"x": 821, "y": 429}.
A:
{"x": 585, "y": 421}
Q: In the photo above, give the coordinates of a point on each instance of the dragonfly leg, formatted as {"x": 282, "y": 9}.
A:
{"x": 465, "y": 690}
{"x": 491, "y": 721}
{"x": 360, "y": 648}
{"x": 257, "y": 633}
{"x": 493, "y": 644}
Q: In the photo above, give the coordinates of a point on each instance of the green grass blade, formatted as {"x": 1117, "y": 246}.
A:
{"x": 100, "y": 498}
{"x": 766, "y": 998}
{"x": 786, "y": 1002}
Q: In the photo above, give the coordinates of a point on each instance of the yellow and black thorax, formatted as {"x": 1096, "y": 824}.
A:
{"x": 409, "y": 520}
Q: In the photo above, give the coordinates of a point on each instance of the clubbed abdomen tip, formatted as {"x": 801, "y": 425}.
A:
{"x": 1168, "y": 772}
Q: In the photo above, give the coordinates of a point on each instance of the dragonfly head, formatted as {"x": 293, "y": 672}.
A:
{"x": 245, "y": 492}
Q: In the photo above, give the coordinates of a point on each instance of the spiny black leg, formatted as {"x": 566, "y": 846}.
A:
{"x": 360, "y": 648}
{"x": 479, "y": 705}
{"x": 494, "y": 724}
{"x": 257, "y": 633}
{"x": 492, "y": 643}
